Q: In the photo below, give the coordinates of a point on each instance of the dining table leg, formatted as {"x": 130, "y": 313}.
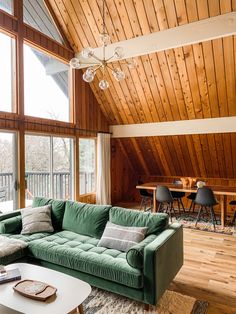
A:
{"x": 223, "y": 207}
{"x": 154, "y": 202}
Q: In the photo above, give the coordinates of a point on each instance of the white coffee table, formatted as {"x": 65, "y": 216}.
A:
{"x": 71, "y": 292}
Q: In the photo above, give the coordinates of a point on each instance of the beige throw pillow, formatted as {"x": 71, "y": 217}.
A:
{"x": 120, "y": 237}
{"x": 36, "y": 219}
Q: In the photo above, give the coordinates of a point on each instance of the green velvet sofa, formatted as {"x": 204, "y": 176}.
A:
{"x": 143, "y": 273}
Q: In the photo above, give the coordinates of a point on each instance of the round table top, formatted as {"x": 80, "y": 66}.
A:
{"x": 71, "y": 292}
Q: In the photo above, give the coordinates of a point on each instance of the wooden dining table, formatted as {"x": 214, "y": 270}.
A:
{"x": 222, "y": 191}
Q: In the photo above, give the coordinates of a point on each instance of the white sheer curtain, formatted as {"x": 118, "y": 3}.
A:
{"x": 103, "y": 196}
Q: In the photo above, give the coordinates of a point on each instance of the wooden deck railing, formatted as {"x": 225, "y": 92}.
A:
{"x": 38, "y": 183}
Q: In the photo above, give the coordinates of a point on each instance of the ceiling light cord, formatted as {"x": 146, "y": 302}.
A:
{"x": 95, "y": 63}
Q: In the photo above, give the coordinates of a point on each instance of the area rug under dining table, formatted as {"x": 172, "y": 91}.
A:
{"x": 103, "y": 302}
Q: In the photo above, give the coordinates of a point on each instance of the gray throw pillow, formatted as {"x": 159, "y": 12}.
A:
{"x": 36, "y": 220}
{"x": 120, "y": 237}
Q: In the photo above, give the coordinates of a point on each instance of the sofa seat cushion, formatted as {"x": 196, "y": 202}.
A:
{"x": 80, "y": 252}
{"x": 28, "y": 237}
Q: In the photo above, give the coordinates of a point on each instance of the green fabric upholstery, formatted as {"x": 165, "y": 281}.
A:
{"x": 164, "y": 257}
{"x": 11, "y": 225}
{"x": 28, "y": 237}
{"x": 156, "y": 223}
{"x": 86, "y": 219}
{"x": 10, "y": 214}
{"x": 143, "y": 273}
{"x": 135, "y": 255}
{"x": 81, "y": 253}
{"x": 58, "y": 209}
{"x": 135, "y": 294}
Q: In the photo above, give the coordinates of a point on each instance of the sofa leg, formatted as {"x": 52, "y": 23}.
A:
{"x": 146, "y": 307}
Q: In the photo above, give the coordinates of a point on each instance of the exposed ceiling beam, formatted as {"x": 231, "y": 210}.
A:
{"x": 183, "y": 127}
{"x": 192, "y": 33}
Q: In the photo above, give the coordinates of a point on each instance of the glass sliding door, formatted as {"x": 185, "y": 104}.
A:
{"x": 37, "y": 167}
{"x": 8, "y": 171}
{"x": 49, "y": 170}
{"x": 62, "y": 168}
{"x": 87, "y": 162}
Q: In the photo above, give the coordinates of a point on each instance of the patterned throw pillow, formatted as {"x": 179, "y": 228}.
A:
{"x": 36, "y": 220}
{"x": 120, "y": 237}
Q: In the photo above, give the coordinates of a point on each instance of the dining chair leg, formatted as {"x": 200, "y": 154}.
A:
{"x": 171, "y": 208}
{"x": 181, "y": 202}
{"x": 178, "y": 205}
{"x": 193, "y": 206}
{"x": 234, "y": 218}
{"x": 198, "y": 215}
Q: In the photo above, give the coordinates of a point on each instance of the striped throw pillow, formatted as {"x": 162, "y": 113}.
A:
{"x": 120, "y": 237}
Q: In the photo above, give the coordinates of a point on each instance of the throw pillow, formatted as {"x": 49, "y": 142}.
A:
{"x": 120, "y": 237}
{"x": 135, "y": 255}
{"x": 36, "y": 220}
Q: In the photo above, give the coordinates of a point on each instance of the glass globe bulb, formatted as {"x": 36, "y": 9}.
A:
{"x": 88, "y": 75}
{"x": 103, "y": 84}
{"x": 118, "y": 74}
{"x": 104, "y": 39}
{"x": 75, "y": 63}
{"x": 87, "y": 52}
{"x": 132, "y": 64}
{"x": 119, "y": 52}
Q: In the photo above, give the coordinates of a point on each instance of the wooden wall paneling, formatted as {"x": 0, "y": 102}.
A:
{"x": 161, "y": 153}
{"x": 213, "y": 155}
{"x": 158, "y": 162}
{"x": 35, "y": 38}
{"x": 123, "y": 178}
{"x": 8, "y": 22}
{"x": 229, "y": 158}
{"x": 230, "y": 74}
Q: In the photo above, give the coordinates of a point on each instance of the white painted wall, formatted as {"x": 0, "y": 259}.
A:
{"x": 197, "y": 126}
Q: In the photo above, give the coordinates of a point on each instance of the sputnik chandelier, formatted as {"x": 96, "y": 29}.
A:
{"x": 102, "y": 63}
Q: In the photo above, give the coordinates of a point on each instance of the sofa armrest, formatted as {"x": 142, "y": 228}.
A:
{"x": 10, "y": 214}
{"x": 163, "y": 259}
{"x": 11, "y": 225}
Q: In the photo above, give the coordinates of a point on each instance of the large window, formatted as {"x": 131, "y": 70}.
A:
{"x": 6, "y": 73}
{"x": 7, "y": 6}
{"x": 46, "y": 86}
{"x": 48, "y": 167}
{"x": 8, "y": 193}
{"x": 37, "y": 15}
{"x": 87, "y": 156}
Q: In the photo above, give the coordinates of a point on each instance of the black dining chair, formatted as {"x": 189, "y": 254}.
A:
{"x": 146, "y": 198}
{"x": 233, "y": 203}
{"x": 177, "y": 196}
{"x": 206, "y": 199}
{"x": 165, "y": 200}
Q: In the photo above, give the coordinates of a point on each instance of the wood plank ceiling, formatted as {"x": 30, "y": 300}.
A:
{"x": 196, "y": 81}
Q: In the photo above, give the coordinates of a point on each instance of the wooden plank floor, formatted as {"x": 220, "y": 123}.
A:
{"x": 209, "y": 271}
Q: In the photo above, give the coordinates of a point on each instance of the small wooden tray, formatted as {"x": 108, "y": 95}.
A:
{"x": 33, "y": 289}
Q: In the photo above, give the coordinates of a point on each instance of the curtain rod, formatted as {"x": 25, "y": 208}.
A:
{"x": 52, "y": 125}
